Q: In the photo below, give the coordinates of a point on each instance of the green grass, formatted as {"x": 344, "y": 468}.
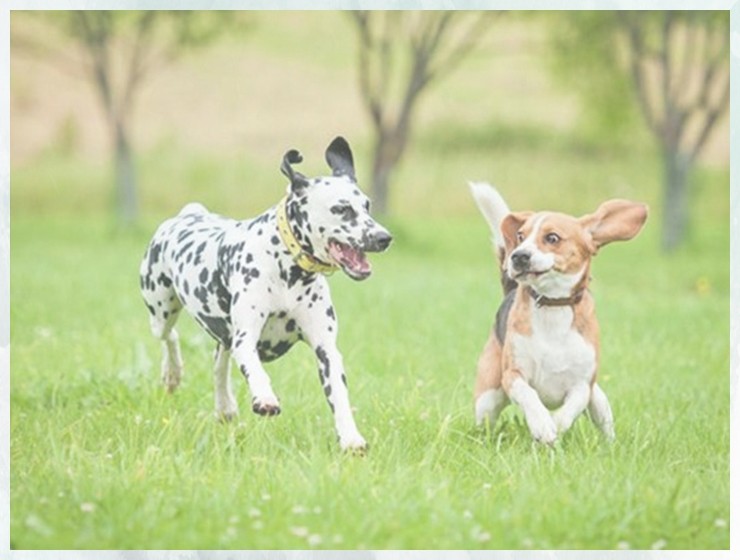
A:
{"x": 101, "y": 457}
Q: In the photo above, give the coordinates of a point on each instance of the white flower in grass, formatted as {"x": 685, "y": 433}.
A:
{"x": 486, "y": 486}
{"x": 266, "y": 497}
{"x": 314, "y": 540}
{"x": 234, "y": 519}
{"x": 87, "y": 507}
{"x": 254, "y": 512}
{"x": 299, "y": 531}
{"x": 721, "y": 523}
{"x": 659, "y": 544}
{"x": 467, "y": 514}
{"x": 527, "y": 542}
{"x": 478, "y": 534}
{"x": 258, "y": 525}
{"x": 623, "y": 545}
{"x": 44, "y": 332}
{"x": 299, "y": 510}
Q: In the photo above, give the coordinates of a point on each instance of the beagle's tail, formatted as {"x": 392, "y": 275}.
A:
{"x": 494, "y": 210}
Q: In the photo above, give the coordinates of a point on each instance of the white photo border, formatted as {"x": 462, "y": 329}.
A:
{"x": 9, "y": 5}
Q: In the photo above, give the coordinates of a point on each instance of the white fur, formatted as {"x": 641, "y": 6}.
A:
{"x": 489, "y": 405}
{"x": 555, "y": 357}
{"x": 541, "y": 425}
{"x": 492, "y": 206}
{"x": 601, "y": 412}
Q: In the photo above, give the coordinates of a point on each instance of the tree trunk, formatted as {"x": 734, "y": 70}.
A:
{"x": 389, "y": 148}
{"x": 126, "y": 204}
{"x": 675, "y": 198}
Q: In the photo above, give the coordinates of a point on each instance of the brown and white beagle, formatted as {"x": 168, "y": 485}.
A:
{"x": 543, "y": 351}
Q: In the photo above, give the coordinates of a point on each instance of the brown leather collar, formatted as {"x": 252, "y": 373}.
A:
{"x": 542, "y": 301}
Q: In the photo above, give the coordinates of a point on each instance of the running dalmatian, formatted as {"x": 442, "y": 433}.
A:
{"x": 257, "y": 286}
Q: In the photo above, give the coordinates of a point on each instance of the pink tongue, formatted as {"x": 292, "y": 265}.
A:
{"x": 352, "y": 259}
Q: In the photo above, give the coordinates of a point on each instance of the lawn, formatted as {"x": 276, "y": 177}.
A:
{"x": 101, "y": 457}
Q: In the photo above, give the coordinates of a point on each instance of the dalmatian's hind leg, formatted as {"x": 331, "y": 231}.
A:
{"x": 227, "y": 408}
{"x": 164, "y": 309}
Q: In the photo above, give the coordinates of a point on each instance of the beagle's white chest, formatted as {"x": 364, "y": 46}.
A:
{"x": 555, "y": 357}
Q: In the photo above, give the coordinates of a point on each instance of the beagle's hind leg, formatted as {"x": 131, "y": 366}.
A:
{"x": 489, "y": 395}
{"x": 600, "y": 412}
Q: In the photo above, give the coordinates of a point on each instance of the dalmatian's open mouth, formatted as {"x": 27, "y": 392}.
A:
{"x": 352, "y": 260}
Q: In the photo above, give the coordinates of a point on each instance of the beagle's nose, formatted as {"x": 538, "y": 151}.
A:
{"x": 520, "y": 260}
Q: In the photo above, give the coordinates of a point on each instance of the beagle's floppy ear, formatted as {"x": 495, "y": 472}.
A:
{"x": 510, "y": 225}
{"x": 615, "y": 220}
{"x": 297, "y": 180}
{"x": 339, "y": 158}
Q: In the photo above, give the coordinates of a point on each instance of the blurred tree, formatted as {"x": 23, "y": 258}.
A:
{"x": 400, "y": 55}
{"x": 121, "y": 49}
{"x": 675, "y": 66}
{"x": 679, "y": 65}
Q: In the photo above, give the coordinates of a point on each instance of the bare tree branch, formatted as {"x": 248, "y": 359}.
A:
{"x": 471, "y": 39}
{"x": 637, "y": 53}
{"x": 136, "y": 67}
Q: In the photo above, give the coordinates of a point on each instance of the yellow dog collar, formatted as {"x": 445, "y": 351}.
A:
{"x": 305, "y": 260}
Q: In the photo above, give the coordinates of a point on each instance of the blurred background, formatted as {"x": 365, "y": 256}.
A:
{"x": 129, "y": 115}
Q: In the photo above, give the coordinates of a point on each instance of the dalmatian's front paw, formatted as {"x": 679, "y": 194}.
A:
{"x": 354, "y": 444}
{"x": 171, "y": 376}
{"x": 266, "y": 406}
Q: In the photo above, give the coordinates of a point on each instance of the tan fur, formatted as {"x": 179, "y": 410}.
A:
{"x": 489, "y": 367}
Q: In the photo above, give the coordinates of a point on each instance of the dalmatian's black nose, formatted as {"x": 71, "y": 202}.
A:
{"x": 381, "y": 241}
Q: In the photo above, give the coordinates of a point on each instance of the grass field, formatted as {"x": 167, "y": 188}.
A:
{"x": 102, "y": 458}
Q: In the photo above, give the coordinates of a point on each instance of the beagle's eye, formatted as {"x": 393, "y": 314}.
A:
{"x": 552, "y": 239}
{"x": 519, "y": 237}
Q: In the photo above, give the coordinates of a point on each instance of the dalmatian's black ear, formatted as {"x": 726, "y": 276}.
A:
{"x": 339, "y": 158}
{"x": 297, "y": 180}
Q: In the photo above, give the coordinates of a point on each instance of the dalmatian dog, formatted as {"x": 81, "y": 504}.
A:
{"x": 258, "y": 286}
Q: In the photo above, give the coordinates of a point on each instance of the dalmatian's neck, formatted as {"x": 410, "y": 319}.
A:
{"x": 289, "y": 271}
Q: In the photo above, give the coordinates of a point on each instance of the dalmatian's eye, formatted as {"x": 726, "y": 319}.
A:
{"x": 346, "y": 211}
{"x": 552, "y": 239}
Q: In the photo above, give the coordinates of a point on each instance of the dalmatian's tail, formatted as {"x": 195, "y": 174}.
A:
{"x": 193, "y": 208}
{"x": 494, "y": 210}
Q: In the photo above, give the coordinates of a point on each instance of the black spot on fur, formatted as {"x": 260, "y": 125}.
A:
{"x": 324, "y": 371}
{"x": 217, "y": 327}
{"x": 164, "y": 280}
{"x": 502, "y": 316}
